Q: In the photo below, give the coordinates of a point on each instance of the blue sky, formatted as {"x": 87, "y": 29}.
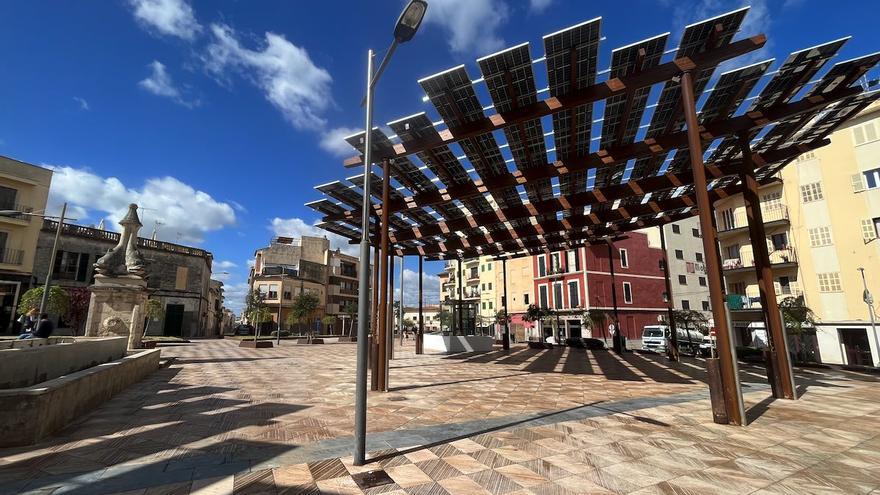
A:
{"x": 218, "y": 117}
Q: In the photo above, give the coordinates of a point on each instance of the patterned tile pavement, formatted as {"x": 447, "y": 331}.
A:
{"x": 224, "y": 420}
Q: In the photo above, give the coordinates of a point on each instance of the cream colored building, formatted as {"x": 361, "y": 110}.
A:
{"x": 23, "y": 188}
{"x": 822, "y": 220}
{"x": 687, "y": 264}
{"x": 289, "y": 267}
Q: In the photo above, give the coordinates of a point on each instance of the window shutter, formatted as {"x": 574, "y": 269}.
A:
{"x": 82, "y": 270}
{"x": 858, "y": 182}
{"x": 858, "y": 135}
{"x": 59, "y": 255}
{"x": 870, "y": 132}
{"x": 868, "y": 231}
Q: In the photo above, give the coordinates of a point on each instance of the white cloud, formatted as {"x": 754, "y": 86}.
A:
{"x": 83, "y": 104}
{"x": 233, "y": 296}
{"x": 160, "y": 83}
{"x": 430, "y": 287}
{"x": 332, "y": 141}
{"x": 296, "y": 227}
{"x": 539, "y": 5}
{"x": 167, "y": 17}
{"x": 472, "y": 25}
{"x": 164, "y": 199}
{"x": 225, "y": 265}
{"x": 283, "y": 71}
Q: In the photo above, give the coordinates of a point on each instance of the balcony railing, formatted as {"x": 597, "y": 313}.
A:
{"x": 747, "y": 259}
{"x": 12, "y": 256}
{"x": 753, "y": 301}
{"x": 339, "y": 271}
{"x": 103, "y": 235}
{"x": 740, "y": 220}
{"x": 20, "y": 211}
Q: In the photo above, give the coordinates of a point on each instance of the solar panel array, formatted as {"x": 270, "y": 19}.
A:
{"x": 442, "y": 205}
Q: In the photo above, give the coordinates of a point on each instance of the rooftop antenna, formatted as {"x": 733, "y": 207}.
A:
{"x": 156, "y": 225}
{"x": 101, "y": 225}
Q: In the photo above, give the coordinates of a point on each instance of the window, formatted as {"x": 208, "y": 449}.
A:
{"x": 811, "y": 192}
{"x": 705, "y": 305}
{"x": 728, "y": 219}
{"x": 864, "y": 133}
{"x": 490, "y": 304}
{"x": 273, "y": 291}
{"x": 484, "y": 304}
{"x": 820, "y": 236}
{"x": 695, "y": 232}
{"x": 483, "y": 286}
{"x": 624, "y": 261}
{"x": 489, "y": 267}
{"x": 526, "y": 299}
{"x": 180, "y": 278}
{"x": 542, "y": 296}
{"x": 701, "y": 281}
{"x": 685, "y": 304}
{"x": 738, "y": 288}
{"x": 679, "y": 254}
{"x": 7, "y": 198}
{"x": 542, "y": 266}
{"x": 287, "y": 295}
{"x": 554, "y": 263}
{"x": 676, "y": 229}
{"x": 733, "y": 252}
{"x": 490, "y": 285}
{"x": 771, "y": 201}
{"x": 872, "y": 178}
{"x": 627, "y": 293}
{"x": 557, "y": 296}
{"x": 503, "y": 301}
{"x": 807, "y": 156}
{"x": 70, "y": 266}
{"x": 682, "y": 279}
{"x": 829, "y": 282}
{"x": 573, "y": 260}
{"x": 779, "y": 241}
{"x": 869, "y": 229}
{"x": 698, "y": 257}
{"x": 574, "y": 300}
{"x": 665, "y": 296}
{"x": 858, "y": 182}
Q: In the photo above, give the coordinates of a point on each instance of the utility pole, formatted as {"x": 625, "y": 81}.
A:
{"x": 51, "y": 267}
{"x": 869, "y": 300}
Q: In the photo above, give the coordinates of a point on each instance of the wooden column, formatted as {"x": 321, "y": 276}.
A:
{"x": 672, "y": 347}
{"x": 730, "y": 383}
{"x": 506, "y": 341}
{"x": 764, "y": 274}
{"x": 615, "y": 339}
{"x": 374, "y": 320}
{"x": 382, "y": 357}
{"x": 390, "y": 334}
{"x": 421, "y": 332}
{"x": 460, "y": 330}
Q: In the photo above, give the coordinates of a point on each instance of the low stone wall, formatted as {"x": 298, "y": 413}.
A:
{"x": 28, "y": 343}
{"x": 33, "y": 413}
{"x": 38, "y": 360}
{"x": 457, "y": 343}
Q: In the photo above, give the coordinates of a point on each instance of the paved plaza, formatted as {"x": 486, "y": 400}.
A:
{"x": 223, "y": 419}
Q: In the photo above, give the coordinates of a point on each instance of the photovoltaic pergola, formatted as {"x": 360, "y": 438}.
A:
{"x": 587, "y": 158}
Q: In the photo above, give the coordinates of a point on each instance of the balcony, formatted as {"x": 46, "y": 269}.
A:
{"x": 12, "y": 256}
{"x": 779, "y": 259}
{"x": 339, "y": 271}
{"x": 773, "y": 217}
{"x": 12, "y": 214}
{"x": 753, "y": 301}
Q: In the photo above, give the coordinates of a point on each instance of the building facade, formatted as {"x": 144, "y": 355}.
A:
{"x": 430, "y": 315}
{"x": 687, "y": 265}
{"x": 178, "y": 276}
{"x": 289, "y": 267}
{"x": 24, "y": 188}
{"x": 822, "y": 220}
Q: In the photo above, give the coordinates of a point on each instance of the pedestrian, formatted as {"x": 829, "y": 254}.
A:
{"x": 43, "y": 329}
{"x": 27, "y": 321}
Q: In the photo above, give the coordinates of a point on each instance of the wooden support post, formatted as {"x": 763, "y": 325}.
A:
{"x": 420, "y": 341}
{"x": 374, "y": 320}
{"x": 459, "y": 329}
{"x": 390, "y": 334}
{"x": 732, "y": 393}
{"x": 505, "y": 343}
{"x": 764, "y": 274}
{"x": 616, "y": 339}
{"x": 672, "y": 343}
{"x": 383, "y": 296}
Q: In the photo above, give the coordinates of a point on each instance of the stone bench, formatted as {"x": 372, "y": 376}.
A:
{"x": 28, "y": 343}
{"x": 39, "y": 360}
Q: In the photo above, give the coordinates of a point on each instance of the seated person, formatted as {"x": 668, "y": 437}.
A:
{"x": 44, "y": 328}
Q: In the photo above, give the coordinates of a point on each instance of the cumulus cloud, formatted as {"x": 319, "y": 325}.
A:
{"x": 296, "y": 227}
{"x": 167, "y": 17}
{"x": 430, "y": 287}
{"x": 159, "y": 83}
{"x": 164, "y": 199}
{"x": 539, "y": 5}
{"x": 472, "y": 25}
{"x": 333, "y": 142}
{"x": 225, "y": 265}
{"x": 233, "y": 296}
{"x": 283, "y": 71}
{"x": 83, "y": 104}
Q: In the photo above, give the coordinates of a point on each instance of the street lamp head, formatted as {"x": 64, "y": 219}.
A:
{"x": 409, "y": 20}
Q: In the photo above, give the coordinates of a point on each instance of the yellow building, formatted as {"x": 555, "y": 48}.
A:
{"x": 822, "y": 221}
{"x": 23, "y": 188}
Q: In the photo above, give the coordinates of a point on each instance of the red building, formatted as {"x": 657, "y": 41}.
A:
{"x": 573, "y": 281}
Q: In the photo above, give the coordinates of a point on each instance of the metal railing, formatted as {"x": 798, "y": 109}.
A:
{"x": 747, "y": 258}
{"x": 12, "y": 256}
{"x": 20, "y": 211}
{"x": 740, "y": 220}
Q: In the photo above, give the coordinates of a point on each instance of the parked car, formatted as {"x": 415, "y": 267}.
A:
{"x": 243, "y": 330}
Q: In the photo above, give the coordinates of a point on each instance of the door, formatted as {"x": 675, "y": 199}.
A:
{"x": 173, "y": 320}
{"x": 574, "y": 329}
{"x": 855, "y": 346}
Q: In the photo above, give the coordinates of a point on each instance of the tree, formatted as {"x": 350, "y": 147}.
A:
{"x": 153, "y": 310}
{"x": 690, "y": 319}
{"x": 78, "y": 310}
{"x": 501, "y": 317}
{"x": 595, "y": 318}
{"x": 328, "y": 320}
{"x": 304, "y": 306}
{"x": 58, "y": 303}
{"x": 534, "y": 313}
{"x": 351, "y": 311}
{"x": 798, "y": 318}
{"x": 445, "y": 317}
{"x": 408, "y": 323}
{"x": 255, "y": 310}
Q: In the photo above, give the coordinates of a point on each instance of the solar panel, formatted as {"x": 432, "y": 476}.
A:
{"x": 343, "y": 193}
{"x": 326, "y": 207}
{"x": 844, "y": 74}
{"x": 571, "y": 58}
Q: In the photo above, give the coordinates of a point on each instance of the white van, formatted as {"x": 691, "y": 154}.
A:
{"x": 654, "y": 339}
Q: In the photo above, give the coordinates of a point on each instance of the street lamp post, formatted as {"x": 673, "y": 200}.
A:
{"x": 869, "y": 300}
{"x": 406, "y": 27}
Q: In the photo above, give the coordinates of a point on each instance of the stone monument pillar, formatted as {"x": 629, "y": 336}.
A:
{"x": 120, "y": 289}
